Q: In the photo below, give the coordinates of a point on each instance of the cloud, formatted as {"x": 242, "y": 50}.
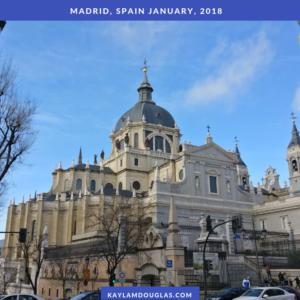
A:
{"x": 233, "y": 66}
{"x": 296, "y": 101}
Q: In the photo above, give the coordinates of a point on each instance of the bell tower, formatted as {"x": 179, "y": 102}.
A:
{"x": 293, "y": 152}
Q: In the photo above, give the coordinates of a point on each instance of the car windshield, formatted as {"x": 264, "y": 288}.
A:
{"x": 88, "y": 296}
{"x": 224, "y": 291}
{"x": 253, "y": 293}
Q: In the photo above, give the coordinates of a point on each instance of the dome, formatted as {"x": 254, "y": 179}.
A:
{"x": 153, "y": 113}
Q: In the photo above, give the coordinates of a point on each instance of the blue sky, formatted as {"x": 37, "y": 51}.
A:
{"x": 241, "y": 78}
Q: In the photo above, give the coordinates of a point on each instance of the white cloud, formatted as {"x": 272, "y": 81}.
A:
{"x": 296, "y": 101}
{"x": 233, "y": 65}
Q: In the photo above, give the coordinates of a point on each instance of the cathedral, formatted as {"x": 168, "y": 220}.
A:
{"x": 150, "y": 162}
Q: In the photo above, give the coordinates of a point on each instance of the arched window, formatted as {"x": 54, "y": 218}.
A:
{"x": 295, "y": 167}
{"x": 109, "y": 186}
{"x": 197, "y": 182}
{"x": 160, "y": 143}
{"x": 67, "y": 183}
{"x": 181, "y": 174}
{"x": 33, "y": 231}
{"x": 228, "y": 186}
{"x": 151, "y": 185}
{"x": 78, "y": 184}
{"x": 244, "y": 180}
{"x": 120, "y": 185}
{"x": 136, "y": 140}
{"x": 93, "y": 185}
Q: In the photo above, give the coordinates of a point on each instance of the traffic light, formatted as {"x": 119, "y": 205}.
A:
{"x": 237, "y": 222}
{"x": 22, "y": 235}
{"x": 112, "y": 280}
{"x": 208, "y": 265}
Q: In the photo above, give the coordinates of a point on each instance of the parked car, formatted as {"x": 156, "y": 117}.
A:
{"x": 88, "y": 296}
{"x": 2, "y": 296}
{"x": 22, "y": 296}
{"x": 228, "y": 293}
{"x": 292, "y": 291}
{"x": 267, "y": 293}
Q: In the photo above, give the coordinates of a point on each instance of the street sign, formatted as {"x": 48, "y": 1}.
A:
{"x": 170, "y": 276}
{"x": 122, "y": 277}
{"x": 237, "y": 236}
{"x": 169, "y": 263}
{"x": 86, "y": 274}
{"x": 85, "y": 283}
{"x": 134, "y": 284}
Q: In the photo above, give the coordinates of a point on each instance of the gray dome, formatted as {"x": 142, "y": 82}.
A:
{"x": 153, "y": 113}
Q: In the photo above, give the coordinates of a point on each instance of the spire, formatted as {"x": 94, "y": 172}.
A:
{"x": 259, "y": 189}
{"x": 156, "y": 176}
{"x": 208, "y": 138}
{"x": 72, "y": 164}
{"x": 79, "y": 196}
{"x": 117, "y": 192}
{"x": 13, "y": 202}
{"x": 80, "y": 157}
{"x": 56, "y": 198}
{"x": 101, "y": 191}
{"x": 145, "y": 89}
{"x": 22, "y": 200}
{"x": 86, "y": 191}
{"x": 174, "y": 238}
{"x": 238, "y": 155}
{"x": 251, "y": 188}
{"x": 236, "y": 148}
{"x": 87, "y": 164}
{"x": 59, "y": 165}
{"x": 295, "y": 136}
{"x": 72, "y": 196}
{"x": 29, "y": 197}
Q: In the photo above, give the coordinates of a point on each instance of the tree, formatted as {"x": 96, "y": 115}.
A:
{"x": 34, "y": 253}
{"x": 8, "y": 275}
{"x": 17, "y": 111}
{"x": 63, "y": 272}
{"x": 121, "y": 224}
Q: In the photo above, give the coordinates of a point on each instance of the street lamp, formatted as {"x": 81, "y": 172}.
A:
{"x": 87, "y": 260}
{"x": 255, "y": 236}
{"x": 21, "y": 281}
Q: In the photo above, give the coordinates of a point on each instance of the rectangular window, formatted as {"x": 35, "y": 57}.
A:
{"x": 121, "y": 163}
{"x": 263, "y": 224}
{"x": 49, "y": 291}
{"x": 213, "y": 184}
{"x": 284, "y": 222}
{"x": 136, "y": 161}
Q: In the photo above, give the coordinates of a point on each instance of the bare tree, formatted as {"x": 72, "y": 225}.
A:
{"x": 62, "y": 273}
{"x": 33, "y": 252}
{"x": 8, "y": 275}
{"x": 17, "y": 110}
{"x": 121, "y": 225}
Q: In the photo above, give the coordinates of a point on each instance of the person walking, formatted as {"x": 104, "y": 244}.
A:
{"x": 281, "y": 278}
{"x": 291, "y": 282}
{"x": 268, "y": 270}
{"x": 246, "y": 283}
{"x": 297, "y": 282}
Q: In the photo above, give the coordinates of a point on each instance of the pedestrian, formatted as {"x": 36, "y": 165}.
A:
{"x": 272, "y": 282}
{"x": 266, "y": 282}
{"x": 268, "y": 270}
{"x": 285, "y": 279}
{"x": 297, "y": 282}
{"x": 291, "y": 282}
{"x": 246, "y": 282}
{"x": 281, "y": 278}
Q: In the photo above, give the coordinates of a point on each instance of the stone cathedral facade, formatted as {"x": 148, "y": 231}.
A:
{"x": 150, "y": 161}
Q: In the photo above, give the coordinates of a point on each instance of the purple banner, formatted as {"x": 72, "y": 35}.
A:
{"x": 213, "y": 10}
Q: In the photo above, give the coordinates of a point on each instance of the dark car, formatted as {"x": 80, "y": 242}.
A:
{"x": 228, "y": 293}
{"x": 88, "y": 296}
{"x": 292, "y": 291}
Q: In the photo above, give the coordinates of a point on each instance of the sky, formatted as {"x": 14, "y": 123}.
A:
{"x": 240, "y": 78}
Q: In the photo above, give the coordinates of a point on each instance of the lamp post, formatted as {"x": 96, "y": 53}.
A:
{"x": 256, "y": 236}
{"x": 21, "y": 281}
{"x": 87, "y": 260}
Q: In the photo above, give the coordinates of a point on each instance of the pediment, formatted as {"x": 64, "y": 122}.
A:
{"x": 213, "y": 151}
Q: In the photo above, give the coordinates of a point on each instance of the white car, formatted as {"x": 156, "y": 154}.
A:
{"x": 22, "y": 296}
{"x": 266, "y": 293}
